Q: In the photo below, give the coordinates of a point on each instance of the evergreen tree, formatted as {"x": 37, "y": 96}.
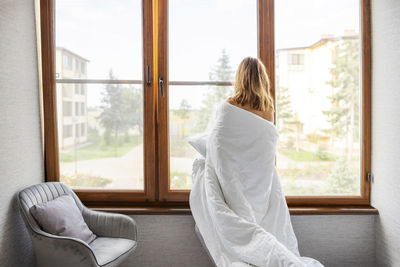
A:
{"x": 183, "y": 111}
{"x": 114, "y": 111}
{"x": 343, "y": 115}
{"x": 133, "y": 106}
{"x": 222, "y": 71}
{"x": 343, "y": 179}
{"x": 287, "y": 120}
{"x": 284, "y": 112}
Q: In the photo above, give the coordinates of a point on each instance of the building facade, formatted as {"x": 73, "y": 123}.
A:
{"x": 305, "y": 73}
{"x": 71, "y": 99}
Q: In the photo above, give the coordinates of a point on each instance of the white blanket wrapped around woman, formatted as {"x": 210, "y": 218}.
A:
{"x": 236, "y": 197}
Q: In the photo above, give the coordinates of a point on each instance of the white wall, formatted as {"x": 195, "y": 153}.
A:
{"x": 386, "y": 128}
{"x": 20, "y": 142}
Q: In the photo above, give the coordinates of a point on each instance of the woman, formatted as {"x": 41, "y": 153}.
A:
{"x": 236, "y": 198}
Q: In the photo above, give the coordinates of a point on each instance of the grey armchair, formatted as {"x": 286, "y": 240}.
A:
{"x": 116, "y": 233}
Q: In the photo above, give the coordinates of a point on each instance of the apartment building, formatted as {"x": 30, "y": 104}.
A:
{"x": 305, "y": 72}
{"x": 72, "y": 106}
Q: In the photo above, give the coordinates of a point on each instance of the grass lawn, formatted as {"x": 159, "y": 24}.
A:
{"x": 307, "y": 156}
{"x": 84, "y": 180}
{"x": 97, "y": 149}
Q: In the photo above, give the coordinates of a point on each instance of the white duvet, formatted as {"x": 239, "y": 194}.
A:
{"x": 236, "y": 197}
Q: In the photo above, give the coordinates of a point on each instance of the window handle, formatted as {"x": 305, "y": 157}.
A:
{"x": 148, "y": 76}
{"x": 161, "y": 85}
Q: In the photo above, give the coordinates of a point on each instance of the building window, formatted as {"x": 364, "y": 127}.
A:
{"x": 296, "y": 59}
{"x": 66, "y": 90}
{"x": 77, "y": 64}
{"x": 83, "y": 67}
{"x": 67, "y": 131}
{"x": 77, "y": 130}
{"x": 83, "y": 109}
{"x": 83, "y": 129}
{"x": 77, "y": 113}
{"x": 67, "y": 108}
{"x": 67, "y": 62}
{"x": 83, "y": 89}
{"x": 77, "y": 88}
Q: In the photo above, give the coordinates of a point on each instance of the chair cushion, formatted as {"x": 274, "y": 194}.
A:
{"x": 108, "y": 249}
{"x": 62, "y": 217}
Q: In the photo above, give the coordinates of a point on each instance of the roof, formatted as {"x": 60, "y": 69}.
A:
{"x": 322, "y": 41}
{"x": 70, "y": 52}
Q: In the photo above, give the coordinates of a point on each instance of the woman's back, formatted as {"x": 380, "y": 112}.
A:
{"x": 266, "y": 115}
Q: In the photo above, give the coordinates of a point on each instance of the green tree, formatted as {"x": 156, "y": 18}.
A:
{"x": 287, "y": 120}
{"x": 222, "y": 71}
{"x": 121, "y": 110}
{"x": 343, "y": 178}
{"x": 284, "y": 112}
{"x": 111, "y": 116}
{"x": 343, "y": 114}
{"x": 183, "y": 111}
{"x": 133, "y": 107}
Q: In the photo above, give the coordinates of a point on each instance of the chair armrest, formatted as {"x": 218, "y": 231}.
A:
{"x": 110, "y": 224}
{"x": 52, "y": 250}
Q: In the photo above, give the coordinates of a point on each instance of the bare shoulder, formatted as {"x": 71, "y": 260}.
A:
{"x": 266, "y": 115}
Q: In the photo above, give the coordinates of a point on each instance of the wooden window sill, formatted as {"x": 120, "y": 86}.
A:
{"x": 184, "y": 210}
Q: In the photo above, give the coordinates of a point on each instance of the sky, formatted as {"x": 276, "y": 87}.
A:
{"x": 109, "y": 34}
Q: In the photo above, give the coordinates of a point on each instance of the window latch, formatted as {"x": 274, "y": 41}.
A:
{"x": 370, "y": 177}
{"x": 161, "y": 85}
{"x": 148, "y": 76}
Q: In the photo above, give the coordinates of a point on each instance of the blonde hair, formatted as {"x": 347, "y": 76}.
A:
{"x": 252, "y": 85}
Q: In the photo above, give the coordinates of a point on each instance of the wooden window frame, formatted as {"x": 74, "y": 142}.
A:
{"x": 52, "y": 172}
{"x": 157, "y": 194}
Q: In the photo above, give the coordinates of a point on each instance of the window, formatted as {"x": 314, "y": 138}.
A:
{"x": 66, "y": 91}
{"x": 83, "y": 129}
{"x": 319, "y": 149}
{"x": 111, "y": 150}
{"x": 191, "y": 106}
{"x": 83, "y": 109}
{"x": 67, "y": 62}
{"x": 141, "y": 98}
{"x": 296, "y": 59}
{"x": 77, "y": 112}
{"x": 83, "y": 89}
{"x": 77, "y": 65}
{"x": 67, "y": 131}
{"x": 67, "y": 108}
{"x": 83, "y": 67}
{"x": 77, "y": 89}
{"x": 77, "y": 130}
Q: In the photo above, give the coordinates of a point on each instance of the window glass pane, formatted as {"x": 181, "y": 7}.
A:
{"x": 108, "y": 34}
{"x": 192, "y": 109}
{"x": 102, "y": 147}
{"x": 203, "y": 49}
{"x": 100, "y": 128}
{"x": 201, "y": 31}
{"x": 318, "y": 57}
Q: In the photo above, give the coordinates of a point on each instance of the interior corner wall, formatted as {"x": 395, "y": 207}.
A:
{"x": 385, "y": 195}
{"x": 20, "y": 137}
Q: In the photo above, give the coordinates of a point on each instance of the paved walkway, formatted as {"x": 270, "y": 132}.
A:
{"x": 126, "y": 172}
